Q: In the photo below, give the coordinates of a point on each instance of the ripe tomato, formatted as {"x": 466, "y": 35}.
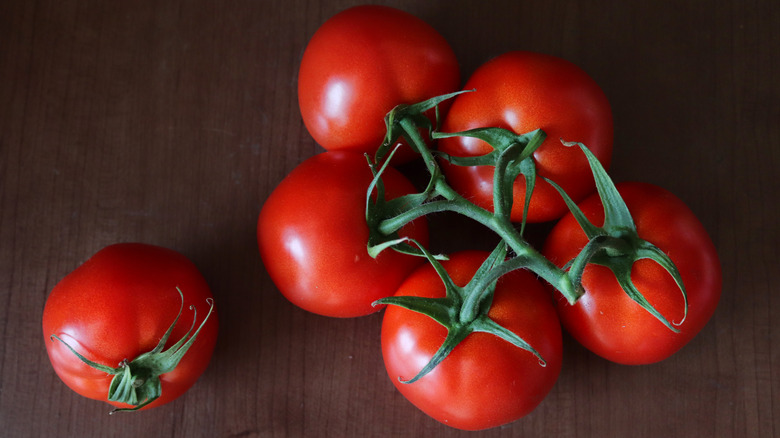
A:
{"x": 313, "y": 237}
{"x": 609, "y": 323}
{"x": 485, "y": 381}
{"x": 524, "y": 91}
{"x": 363, "y": 62}
{"x": 116, "y": 307}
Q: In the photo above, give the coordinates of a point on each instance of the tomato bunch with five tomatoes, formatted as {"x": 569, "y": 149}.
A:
{"x": 360, "y": 74}
{"x": 472, "y": 338}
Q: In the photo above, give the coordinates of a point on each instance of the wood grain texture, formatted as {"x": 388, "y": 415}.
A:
{"x": 171, "y": 122}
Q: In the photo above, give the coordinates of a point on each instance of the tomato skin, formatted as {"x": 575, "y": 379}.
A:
{"x": 360, "y": 64}
{"x": 312, "y": 236}
{"x": 118, "y": 305}
{"x": 486, "y": 381}
{"x": 605, "y": 320}
{"x": 524, "y": 91}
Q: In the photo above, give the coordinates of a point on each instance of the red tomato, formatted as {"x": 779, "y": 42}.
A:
{"x": 313, "y": 237}
{"x": 605, "y": 320}
{"x": 524, "y": 91}
{"x": 117, "y": 306}
{"x": 485, "y": 381}
{"x": 363, "y": 62}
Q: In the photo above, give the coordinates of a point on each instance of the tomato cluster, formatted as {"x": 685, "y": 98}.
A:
{"x": 474, "y": 338}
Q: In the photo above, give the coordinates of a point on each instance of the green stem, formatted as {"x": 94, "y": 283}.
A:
{"x": 391, "y": 225}
{"x": 413, "y": 135}
{"x": 498, "y": 223}
{"x": 502, "y": 195}
{"x": 535, "y": 261}
{"x": 485, "y": 284}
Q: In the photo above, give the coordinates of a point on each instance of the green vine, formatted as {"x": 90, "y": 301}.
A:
{"x": 616, "y": 244}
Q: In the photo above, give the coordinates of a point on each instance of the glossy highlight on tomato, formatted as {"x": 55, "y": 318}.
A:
{"x": 117, "y": 306}
{"x": 360, "y": 64}
{"x": 312, "y": 235}
{"x": 485, "y": 381}
{"x": 605, "y": 320}
{"x": 524, "y": 91}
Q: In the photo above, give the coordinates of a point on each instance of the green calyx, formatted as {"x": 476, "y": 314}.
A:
{"x": 404, "y": 121}
{"x": 397, "y": 120}
{"x": 463, "y": 310}
{"x": 616, "y": 244}
{"x": 137, "y": 382}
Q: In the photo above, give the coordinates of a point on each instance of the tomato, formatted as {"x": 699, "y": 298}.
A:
{"x": 363, "y": 62}
{"x": 485, "y": 381}
{"x": 313, "y": 237}
{"x": 116, "y": 307}
{"x": 609, "y": 323}
{"x": 524, "y": 91}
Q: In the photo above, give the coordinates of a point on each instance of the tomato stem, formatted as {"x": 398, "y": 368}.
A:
{"x": 499, "y": 222}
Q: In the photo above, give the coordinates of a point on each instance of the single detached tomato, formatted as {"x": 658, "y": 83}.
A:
{"x": 485, "y": 381}
{"x": 524, "y": 91}
{"x": 114, "y": 310}
{"x": 363, "y": 62}
{"x": 313, "y": 237}
{"x": 609, "y": 323}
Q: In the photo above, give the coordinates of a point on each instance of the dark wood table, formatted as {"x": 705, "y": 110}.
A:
{"x": 170, "y": 122}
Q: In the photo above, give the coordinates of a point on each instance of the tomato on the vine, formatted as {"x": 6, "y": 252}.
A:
{"x": 485, "y": 381}
{"x": 313, "y": 237}
{"x": 360, "y": 64}
{"x": 605, "y": 319}
{"x": 524, "y": 91}
{"x": 115, "y": 309}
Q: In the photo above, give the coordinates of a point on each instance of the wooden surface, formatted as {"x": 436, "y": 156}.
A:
{"x": 170, "y": 122}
